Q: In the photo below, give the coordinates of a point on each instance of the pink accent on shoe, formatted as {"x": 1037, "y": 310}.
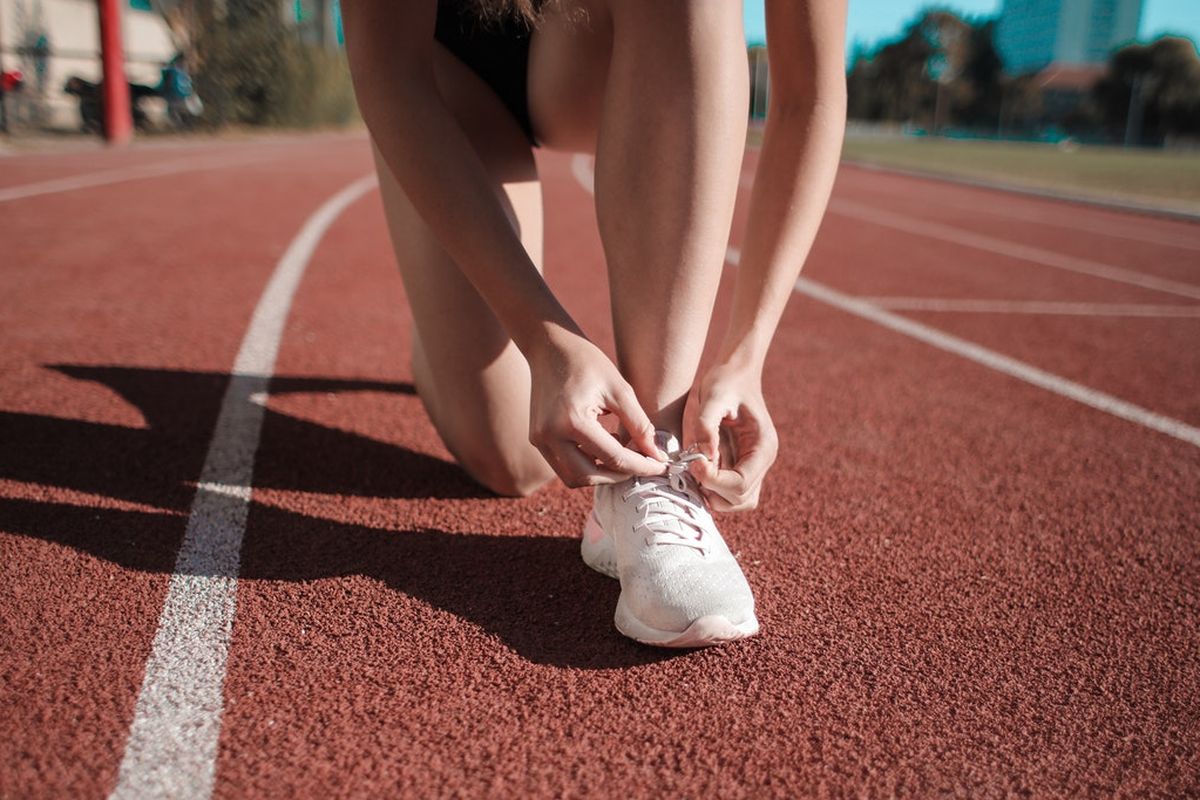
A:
{"x": 592, "y": 530}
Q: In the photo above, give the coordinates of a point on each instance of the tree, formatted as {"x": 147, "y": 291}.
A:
{"x": 891, "y": 85}
{"x": 984, "y": 71}
{"x": 1152, "y": 91}
{"x": 252, "y": 68}
{"x": 1021, "y": 110}
{"x": 938, "y": 54}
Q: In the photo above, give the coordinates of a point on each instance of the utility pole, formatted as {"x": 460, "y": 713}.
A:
{"x": 761, "y": 80}
{"x": 1003, "y": 102}
{"x": 939, "y": 68}
{"x": 118, "y": 115}
{"x": 937, "y": 107}
{"x": 1133, "y": 118}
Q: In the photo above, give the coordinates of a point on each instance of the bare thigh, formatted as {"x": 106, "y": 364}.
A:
{"x": 472, "y": 379}
{"x": 568, "y": 72}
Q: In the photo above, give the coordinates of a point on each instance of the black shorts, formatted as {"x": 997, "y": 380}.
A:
{"x": 497, "y": 51}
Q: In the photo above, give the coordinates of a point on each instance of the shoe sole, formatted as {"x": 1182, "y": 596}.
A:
{"x": 703, "y": 632}
{"x": 597, "y": 551}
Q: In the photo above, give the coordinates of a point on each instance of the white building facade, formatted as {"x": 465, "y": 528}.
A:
{"x": 52, "y": 40}
{"x": 1034, "y": 33}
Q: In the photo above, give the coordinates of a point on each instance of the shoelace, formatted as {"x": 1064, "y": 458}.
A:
{"x": 672, "y": 498}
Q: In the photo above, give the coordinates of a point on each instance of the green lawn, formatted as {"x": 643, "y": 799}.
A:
{"x": 1165, "y": 179}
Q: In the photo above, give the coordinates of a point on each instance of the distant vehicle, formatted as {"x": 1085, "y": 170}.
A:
{"x": 91, "y": 103}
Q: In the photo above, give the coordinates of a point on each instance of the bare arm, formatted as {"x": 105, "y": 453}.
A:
{"x": 390, "y": 47}
{"x": 801, "y": 146}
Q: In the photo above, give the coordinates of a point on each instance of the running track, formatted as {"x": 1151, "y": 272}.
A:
{"x": 977, "y": 561}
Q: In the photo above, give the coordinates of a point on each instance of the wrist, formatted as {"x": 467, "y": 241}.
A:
{"x": 745, "y": 355}
{"x": 547, "y": 339}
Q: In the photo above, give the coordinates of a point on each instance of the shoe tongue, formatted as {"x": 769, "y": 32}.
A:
{"x": 666, "y": 441}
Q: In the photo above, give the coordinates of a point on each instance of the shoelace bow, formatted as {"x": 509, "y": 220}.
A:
{"x": 672, "y": 498}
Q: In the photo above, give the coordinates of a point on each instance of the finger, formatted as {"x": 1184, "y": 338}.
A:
{"x": 730, "y": 452}
{"x": 600, "y": 445}
{"x": 753, "y": 467}
{"x": 744, "y": 502}
{"x": 727, "y": 483}
{"x": 718, "y": 503}
{"x": 636, "y": 423}
{"x": 581, "y": 470}
{"x": 708, "y": 423}
{"x": 727, "y": 489}
{"x": 725, "y": 507}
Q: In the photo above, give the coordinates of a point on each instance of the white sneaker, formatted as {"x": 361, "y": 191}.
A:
{"x": 680, "y": 585}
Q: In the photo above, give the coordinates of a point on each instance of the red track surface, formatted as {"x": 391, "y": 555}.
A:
{"x": 967, "y": 584}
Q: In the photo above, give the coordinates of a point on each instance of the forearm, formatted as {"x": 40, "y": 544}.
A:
{"x": 801, "y": 147}
{"x": 432, "y": 159}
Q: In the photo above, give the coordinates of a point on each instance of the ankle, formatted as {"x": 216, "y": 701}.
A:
{"x": 668, "y": 418}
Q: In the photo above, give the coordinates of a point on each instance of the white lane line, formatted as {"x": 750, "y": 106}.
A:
{"x": 993, "y": 360}
{"x": 1036, "y": 255}
{"x": 1001, "y": 363}
{"x": 1034, "y": 307}
{"x": 1108, "y": 228}
{"x": 172, "y": 746}
{"x": 185, "y": 147}
{"x": 106, "y": 177}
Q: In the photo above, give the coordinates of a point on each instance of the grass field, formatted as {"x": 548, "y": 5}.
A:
{"x": 1166, "y": 179}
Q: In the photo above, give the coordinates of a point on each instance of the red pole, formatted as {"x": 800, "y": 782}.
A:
{"x": 118, "y": 117}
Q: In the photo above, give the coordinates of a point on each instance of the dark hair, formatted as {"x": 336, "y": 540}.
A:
{"x": 527, "y": 12}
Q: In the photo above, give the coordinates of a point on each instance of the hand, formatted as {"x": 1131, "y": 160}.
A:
{"x": 574, "y": 384}
{"x": 735, "y": 431}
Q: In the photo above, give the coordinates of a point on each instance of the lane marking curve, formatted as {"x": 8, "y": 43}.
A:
{"x": 171, "y": 749}
{"x": 106, "y": 177}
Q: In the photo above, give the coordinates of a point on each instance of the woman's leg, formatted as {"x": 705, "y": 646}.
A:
{"x": 664, "y": 86}
{"x": 470, "y": 376}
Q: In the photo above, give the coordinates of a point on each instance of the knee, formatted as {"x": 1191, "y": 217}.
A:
{"x": 518, "y": 476}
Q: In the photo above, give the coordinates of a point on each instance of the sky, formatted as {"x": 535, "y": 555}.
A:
{"x": 871, "y": 21}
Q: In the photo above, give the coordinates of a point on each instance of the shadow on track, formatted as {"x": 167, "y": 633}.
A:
{"x": 159, "y": 464}
{"x": 531, "y": 592}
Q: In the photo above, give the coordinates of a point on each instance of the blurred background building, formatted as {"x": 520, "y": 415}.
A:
{"x": 49, "y": 41}
{"x": 318, "y": 21}
{"x": 1039, "y": 70}
{"x": 278, "y": 50}
{"x": 1035, "y": 33}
